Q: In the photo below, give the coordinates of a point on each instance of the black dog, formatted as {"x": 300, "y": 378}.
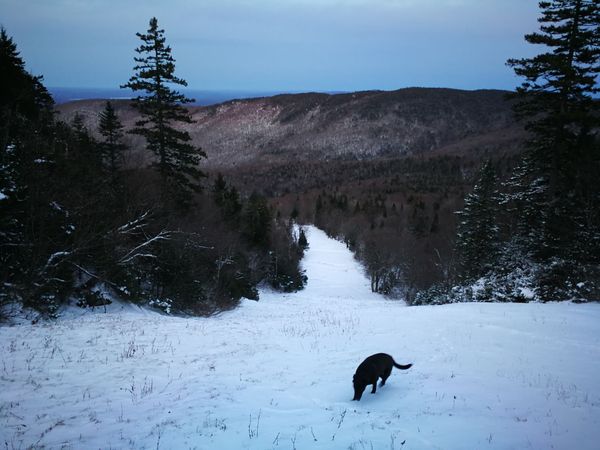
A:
{"x": 374, "y": 367}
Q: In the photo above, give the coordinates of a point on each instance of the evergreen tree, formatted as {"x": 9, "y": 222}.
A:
{"x": 558, "y": 87}
{"x": 257, "y": 220}
{"x": 556, "y": 187}
{"x": 232, "y": 206}
{"x": 111, "y": 129}
{"x": 33, "y": 226}
{"x": 161, "y": 109}
{"x": 302, "y": 241}
{"x": 295, "y": 213}
{"x": 220, "y": 189}
{"x": 478, "y": 232}
{"x": 23, "y": 98}
{"x": 228, "y": 199}
{"x": 78, "y": 125}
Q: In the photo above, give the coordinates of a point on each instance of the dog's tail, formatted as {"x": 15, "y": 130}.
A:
{"x": 400, "y": 366}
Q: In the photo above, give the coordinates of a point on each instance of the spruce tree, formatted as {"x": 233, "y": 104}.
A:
{"x": 23, "y": 97}
{"x": 228, "y": 199}
{"x": 302, "y": 241}
{"x": 111, "y": 129}
{"x": 556, "y": 186}
{"x": 257, "y": 218}
{"x": 219, "y": 189}
{"x": 25, "y": 113}
{"x": 478, "y": 232}
{"x": 161, "y": 109}
{"x": 34, "y": 225}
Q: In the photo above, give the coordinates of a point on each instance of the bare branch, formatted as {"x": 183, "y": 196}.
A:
{"x": 162, "y": 236}
{"x": 52, "y": 258}
{"x": 134, "y": 225}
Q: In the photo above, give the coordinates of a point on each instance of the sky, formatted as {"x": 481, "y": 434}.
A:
{"x": 279, "y": 45}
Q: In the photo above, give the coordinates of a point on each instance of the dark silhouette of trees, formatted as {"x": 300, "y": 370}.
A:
{"x": 64, "y": 237}
{"x": 541, "y": 238}
{"x": 34, "y": 225}
{"x": 556, "y": 189}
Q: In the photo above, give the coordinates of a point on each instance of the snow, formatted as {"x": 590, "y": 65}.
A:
{"x": 527, "y": 293}
{"x": 276, "y": 374}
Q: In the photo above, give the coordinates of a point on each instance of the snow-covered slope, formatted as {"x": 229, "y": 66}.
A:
{"x": 277, "y": 373}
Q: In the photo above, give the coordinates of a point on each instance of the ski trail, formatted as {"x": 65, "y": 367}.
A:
{"x": 332, "y": 270}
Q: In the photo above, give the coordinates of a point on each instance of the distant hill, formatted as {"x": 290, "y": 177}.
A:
{"x": 367, "y": 125}
{"x": 385, "y": 171}
{"x": 199, "y": 97}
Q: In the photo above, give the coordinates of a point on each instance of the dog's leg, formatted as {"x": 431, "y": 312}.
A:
{"x": 374, "y": 386}
{"x": 385, "y": 376}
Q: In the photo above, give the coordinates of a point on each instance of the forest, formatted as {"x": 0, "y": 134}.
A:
{"x": 78, "y": 224}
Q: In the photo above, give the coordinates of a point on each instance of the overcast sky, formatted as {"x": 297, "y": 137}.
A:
{"x": 279, "y": 45}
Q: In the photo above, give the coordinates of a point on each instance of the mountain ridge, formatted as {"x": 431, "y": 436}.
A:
{"x": 362, "y": 125}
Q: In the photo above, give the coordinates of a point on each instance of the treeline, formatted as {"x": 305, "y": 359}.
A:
{"x": 410, "y": 173}
{"x": 75, "y": 224}
{"x": 402, "y": 236}
{"x": 397, "y": 216}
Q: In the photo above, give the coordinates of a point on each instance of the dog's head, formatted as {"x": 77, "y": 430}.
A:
{"x": 359, "y": 387}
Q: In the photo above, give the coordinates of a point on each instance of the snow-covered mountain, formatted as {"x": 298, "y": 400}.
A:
{"x": 276, "y": 374}
{"x": 361, "y": 125}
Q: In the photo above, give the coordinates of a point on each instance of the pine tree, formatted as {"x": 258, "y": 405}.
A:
{"x": 556, "y": 186}
{"x": 161, "y": 109}
{"x": 478, "y": 232}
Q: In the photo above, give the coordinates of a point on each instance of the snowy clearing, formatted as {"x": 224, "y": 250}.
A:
{"x": 277, "y": 374}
